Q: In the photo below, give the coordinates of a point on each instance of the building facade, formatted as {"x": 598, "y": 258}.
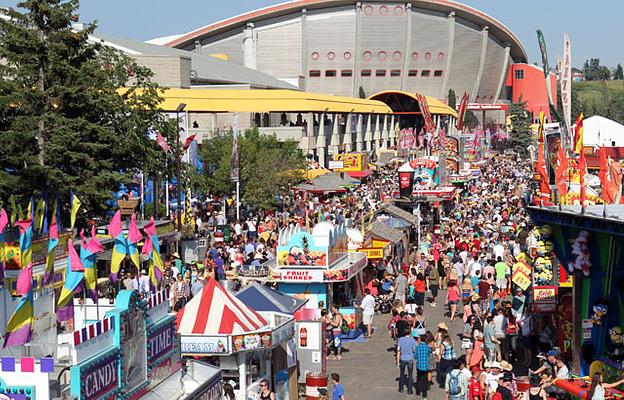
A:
{"x": 357, "y": 48}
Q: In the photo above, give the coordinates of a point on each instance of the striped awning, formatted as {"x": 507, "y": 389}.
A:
{"x": 214, "y": 311}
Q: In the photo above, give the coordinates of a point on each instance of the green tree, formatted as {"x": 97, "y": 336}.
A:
{"x": 520, "y": 137}
{"x": 64, "y": 124}
{"x": 452, "y": 99}
{"x": 267, "y": 166}
{"x": 594, "y": 71}
{"x": 361, "y": 93}
{"x": 619, "y": 73}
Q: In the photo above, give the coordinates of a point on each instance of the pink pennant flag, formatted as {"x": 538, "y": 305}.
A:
{"x": 54, "y": 228}
{"x": 150, "y": 230}
{"x": 94, "y": 246}
{"x": 134, "y": 235}
{"x": 114, "y": 227}
{"x": 74, "y": 258}
{"x": 4, "y": 220}
{"x": 24, "y": 280}
{"x": 162, "y": 142}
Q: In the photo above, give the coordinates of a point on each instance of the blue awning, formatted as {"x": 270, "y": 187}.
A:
{"x": 263, "y": 298}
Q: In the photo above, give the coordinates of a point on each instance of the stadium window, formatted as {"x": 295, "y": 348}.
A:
{"x": 437, "y": 73}
{"x": 412, "y": 72}
{"x": 425, "y": 72}
{"x": 346, "y": 73}
{"x": 366, "y": 72}
{"x": 330, "y": 73}
{"x": 380, "y": 72}
{"x": 395, "y": 72}
{"x": 519, "y": 74}
{"x": 315, "y": 73}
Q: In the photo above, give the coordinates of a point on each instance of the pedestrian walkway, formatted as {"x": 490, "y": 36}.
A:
{"x": 368, "y": 370}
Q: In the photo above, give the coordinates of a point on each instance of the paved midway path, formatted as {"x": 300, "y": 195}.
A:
{"x": 368, "y": 370}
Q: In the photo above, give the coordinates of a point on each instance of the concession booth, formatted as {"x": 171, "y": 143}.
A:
{"x": 248, "y": 346}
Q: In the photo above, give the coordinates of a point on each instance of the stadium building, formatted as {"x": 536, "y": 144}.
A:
{"x": 351, "y": 48}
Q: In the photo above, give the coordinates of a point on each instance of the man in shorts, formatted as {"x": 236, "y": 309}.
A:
{"x": 501, "y": 275}
{"x": 368, "y": 310}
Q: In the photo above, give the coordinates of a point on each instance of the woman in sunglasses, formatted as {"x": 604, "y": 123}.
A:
{"x": 265, "y": 391}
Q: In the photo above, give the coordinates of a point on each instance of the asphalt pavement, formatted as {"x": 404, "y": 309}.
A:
{"x": 368, "y": 370}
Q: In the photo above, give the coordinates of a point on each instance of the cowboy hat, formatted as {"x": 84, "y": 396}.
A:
{"x": 175, "y": 255}
{"x": 506, "y": 366}
{"x": 443, "y": 325}
{"x": 496, "y": 364}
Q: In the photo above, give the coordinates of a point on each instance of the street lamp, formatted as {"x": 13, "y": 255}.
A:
{"x": 179, "y": 109}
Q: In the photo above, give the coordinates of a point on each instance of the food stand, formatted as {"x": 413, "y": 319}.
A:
{"x": 134, "y": 352}
{"x": 317, "y": 266}
{"x": 219, "y": 329}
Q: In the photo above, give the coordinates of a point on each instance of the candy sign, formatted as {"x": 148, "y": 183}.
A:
{"x": 101, "y": 378}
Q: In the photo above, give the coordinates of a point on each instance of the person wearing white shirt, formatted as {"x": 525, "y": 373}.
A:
{"x": 238, "y": 229}
{"x": 368, "y": 310}
{"x": 499, "y": 251}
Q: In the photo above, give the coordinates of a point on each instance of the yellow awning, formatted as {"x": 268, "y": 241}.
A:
{"x": 264, "y": 101}
{"x": 313, "y": 173}
{"x": 435, "y": 105}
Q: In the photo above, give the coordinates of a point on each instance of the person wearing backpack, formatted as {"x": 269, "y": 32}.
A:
{"x": 456, "y": 385}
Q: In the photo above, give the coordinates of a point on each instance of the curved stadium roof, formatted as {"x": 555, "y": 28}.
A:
{"x": 496, "y": 28}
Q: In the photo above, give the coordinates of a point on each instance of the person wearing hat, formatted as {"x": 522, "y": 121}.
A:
{"x": 176, "y": 264}
{"x": 492, "y": 377}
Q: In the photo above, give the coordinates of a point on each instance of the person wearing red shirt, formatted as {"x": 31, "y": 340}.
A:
{"x": 475, "y": 391}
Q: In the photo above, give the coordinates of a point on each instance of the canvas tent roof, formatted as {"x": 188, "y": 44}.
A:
{"x": 386, "y": 232}
{"x": 331, "y": 182}
{"x": 399, "y": 213}
{"x": 600, "y": 131}
{"x": 214, "y": 311}
{"x": 264, "y": 298}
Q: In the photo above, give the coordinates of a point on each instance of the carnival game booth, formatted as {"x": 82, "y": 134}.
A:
{"x": 220, "y": 329}
{"x": 317, "y": 266}
{"x": 590, "y": 243}
{"x": 134, "y": 352}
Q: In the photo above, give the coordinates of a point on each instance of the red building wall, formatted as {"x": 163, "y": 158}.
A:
{"x": 527, "y": 81}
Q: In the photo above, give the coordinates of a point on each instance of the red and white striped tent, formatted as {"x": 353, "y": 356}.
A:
{"x": 214, "y": 311}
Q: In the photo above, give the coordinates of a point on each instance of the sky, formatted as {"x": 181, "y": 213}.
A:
{"x": 595, "y": 27}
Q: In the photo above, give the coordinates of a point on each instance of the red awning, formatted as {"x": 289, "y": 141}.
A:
{"x": 360, "y": 174}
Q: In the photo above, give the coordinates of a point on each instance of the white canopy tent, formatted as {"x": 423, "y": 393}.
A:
{"x": 600, "y": 131}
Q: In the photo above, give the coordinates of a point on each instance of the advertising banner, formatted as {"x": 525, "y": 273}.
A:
{"x": 406, "y": 181}
{"x": 252, "y": 341}
{"x": 544, "y": 298}
{"x": 198, "y": 345}
{"x": 100, "y": 377}
{"x": 302, "y": 250}
{"x": 407, "y": 139}
{"x": 352, "y": 162}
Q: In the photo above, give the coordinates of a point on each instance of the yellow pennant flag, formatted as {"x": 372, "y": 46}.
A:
{"x": 75, "y": 206}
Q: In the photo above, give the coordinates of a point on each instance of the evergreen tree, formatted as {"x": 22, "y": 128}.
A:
{"x": 520, "y": 137}
{"x": 452, "y": 99}
{"x": 619, "y": 73}
{"x": 63, "y": 123}
{"x": 361, "y": 93}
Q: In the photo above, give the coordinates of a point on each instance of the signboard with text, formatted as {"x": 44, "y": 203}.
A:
{"x": 100, "y": 377}
{"x": 201, "y": 345}
{"x": 544, "y": 298}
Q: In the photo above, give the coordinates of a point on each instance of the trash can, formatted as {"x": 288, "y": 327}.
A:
{"x": 314, "y": 382}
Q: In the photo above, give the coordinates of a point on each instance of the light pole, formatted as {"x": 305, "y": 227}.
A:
{"x": 179, "y": 109}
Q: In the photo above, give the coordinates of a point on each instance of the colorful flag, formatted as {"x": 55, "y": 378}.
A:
{"x": 73, "y": 278}
{"x": 234, "y": 165}
{"x": 461, "y": 112}
{"x": 540, "y": 127}
{"x": 604, "y": 176}
{"x": 20, "y": 326}
{"x": 24, "y": 281}
{"x": 51, "y": 257}
{"x": 578, "y": 134}
{"x": 4, "y": 221}
{"x": 39, "y": 214}
{"x": 615, "y": 187}
{"x": 120, "y": 248}
{"x": 582, "y": 172}
{"x": 162, "y": 142}
{"x": 134, "y": 237}
{"x": 13, "y": 206}
{"x": 541, "y": 170}
{"x": 88, "y": 253}
{"x": 31, "y": 209}
{"x": 542, "y": 44}
{"x": 151, "y": 249}
{"x": 75, "y": 206}
{"x": 561, "y": 172}
{"x": 188, "y": 141}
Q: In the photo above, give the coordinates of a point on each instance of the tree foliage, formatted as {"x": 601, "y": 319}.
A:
{"x": 520, "y": 137}
{"x": 594, "y": 71}
{"x": 452, "y": 99}
{"x": 618, "y": 74}
{"x": 63, "y": 123}
{"x": 267, "y": 166}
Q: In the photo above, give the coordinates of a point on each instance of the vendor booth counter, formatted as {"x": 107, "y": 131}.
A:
{"x": 246, "y": 345}
{"x": 134, "y": 352}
